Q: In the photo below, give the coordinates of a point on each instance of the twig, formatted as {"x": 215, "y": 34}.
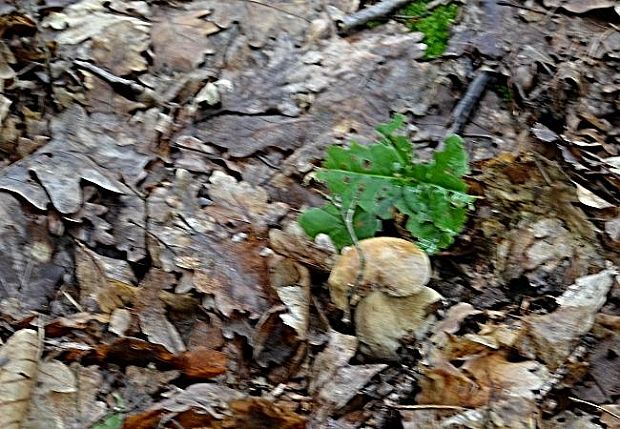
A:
{"x": 72, "y": 300}
{"x": 464, "y": 108}
{"x": 375, "y": 11}
{"x": 348, "y": 221}
{"x": 431, "y": 407}
{"x": 284, "y": 11}
{"x": 598, "y": 407}
{"x": 519, "y": 6}
{"x": 143, "y": 93}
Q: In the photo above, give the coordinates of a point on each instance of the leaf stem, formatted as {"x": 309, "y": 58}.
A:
{"x": 348, "y": 221}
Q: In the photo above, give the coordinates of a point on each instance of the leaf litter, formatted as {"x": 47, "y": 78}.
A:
{"x": 155, "y": 158}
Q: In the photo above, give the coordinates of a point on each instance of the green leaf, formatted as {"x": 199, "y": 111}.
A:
{"x": 381, "y": 178}
{"x": 113, "y": 421}
{"x": 329, "y": 220}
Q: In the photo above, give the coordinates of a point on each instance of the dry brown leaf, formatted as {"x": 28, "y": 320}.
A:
{"x": 260, "y": 22}
{"x": 291, "y": 282}
{"x": 243, "y": 288}
{"x": 180, "y": 40}
{"x": 151, "y": 311}
{"x": 208, "y": 398}
{"x": 87, "y": 19}
{"x": 18, "y": 376}
{"x": 481, "y": 379}
{"x": 612, "y": 422}
{"x": 134, "y": 40}
{"x": 241, "y": 202}
{"x": 66, "y": 397}
{"x": 106, "y": 285}
{"x": 202, "y": 362}
{"x": 334, "y": 381}
{"x": 580, "y": 6}
{"x": 293, "y": 242}
{"x": 254, "y": 412}
{"x": 552, "y": 337}
{"x": 120, "y": 321}
{"x": 31, "y": 262}
{"x": 590, "y": 199}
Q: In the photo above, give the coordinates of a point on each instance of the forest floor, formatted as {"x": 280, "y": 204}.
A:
{"x": 155, "y": 157}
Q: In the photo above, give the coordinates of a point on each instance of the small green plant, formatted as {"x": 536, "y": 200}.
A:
{"x": 504, "y": 92}
{"x": 369, "y": 184}
{"x": 435, "y": 25}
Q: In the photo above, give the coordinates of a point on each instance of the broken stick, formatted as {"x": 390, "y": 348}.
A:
{"x": 377, "y": 10}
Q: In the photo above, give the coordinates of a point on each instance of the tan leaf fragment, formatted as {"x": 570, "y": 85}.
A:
{"x": 552, "y": 337}
{"x": 152, "y": 312}
{"x": 291, "y": 282}
{"x": 206, "y": 397}
{"x": 18, "y": 376}
{"x": 86, "y": 19}
{"x": 180, "y": 40}
{"x": 6, "y": 58}
{"x": 119, "y": 47}
{"x": 590, "y": 199}
{"x": 334, "y": 381}
{"x": 66, "y": 397}
{"x": 120, "y": 320}
{"x": 481, "y": 379}
{"x": 580, "y": 6}
{"x": 107, "y": 285}
{"x": 241, "y": 201}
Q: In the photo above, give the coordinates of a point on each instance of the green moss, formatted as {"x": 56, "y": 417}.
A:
{"x": 435, "y": 24}
{"x": 504, "y": 92}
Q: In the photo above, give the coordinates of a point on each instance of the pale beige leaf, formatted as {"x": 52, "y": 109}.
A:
{"x": 590, "y": 199}
{"x": 18, "y": 376}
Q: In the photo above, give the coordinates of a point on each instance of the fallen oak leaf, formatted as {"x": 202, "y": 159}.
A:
{"x": 18, "y": 376}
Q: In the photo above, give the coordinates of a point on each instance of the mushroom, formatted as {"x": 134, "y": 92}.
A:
{"x": 398, "y": 304}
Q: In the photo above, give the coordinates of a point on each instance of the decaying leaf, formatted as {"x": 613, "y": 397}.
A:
{"x": 210, "y": 398}
{"x": 242, "y": 202}
{"x": 335, "y": 382}
{"x": 152, "y": 312}
{"x": 580, "y": 6}
{"x": 31, "y": 262}
{"x": 552, "y": 337}
{"x": 180, "y": 40}
{"x": 291, "y": 281}
{"x": 590, "y": 199}
{"x": 482, "y": 378}
{"x": 104, "y": 282}
{"x": 18, "y": 376}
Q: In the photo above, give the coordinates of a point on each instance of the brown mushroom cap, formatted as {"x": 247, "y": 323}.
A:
{"x": 381, "y": 321}
{"x": 394, "y": 266}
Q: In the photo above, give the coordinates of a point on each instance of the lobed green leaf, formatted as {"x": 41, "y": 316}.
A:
{"x": 381, "y": 178}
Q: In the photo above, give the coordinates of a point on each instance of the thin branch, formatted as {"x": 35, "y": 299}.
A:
{"x": 431, "y": 407}
{"x": 348, "y": 221}
{"x": 465, "y": 107}
{"x": 377, "y": 10}
{"x": 598, "y": 407}
{"x": 143, "y": 93}
{"x": 284, "y": 11}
